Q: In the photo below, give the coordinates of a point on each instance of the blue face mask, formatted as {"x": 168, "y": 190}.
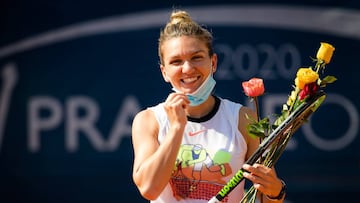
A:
{"x": 203, "y": 92}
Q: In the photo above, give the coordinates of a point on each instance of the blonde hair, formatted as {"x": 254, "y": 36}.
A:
{"x": 181, "y": 24}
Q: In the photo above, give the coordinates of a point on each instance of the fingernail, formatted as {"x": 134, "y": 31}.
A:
{"x": 246, "y": 166}
{"x": 246, "y": 174}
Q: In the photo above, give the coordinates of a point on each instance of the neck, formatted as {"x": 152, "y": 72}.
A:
{"x": 201, "y": 110}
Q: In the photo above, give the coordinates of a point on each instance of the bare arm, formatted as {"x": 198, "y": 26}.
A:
{"x": 263, "y": 178}
{"x": 153, "y": 162}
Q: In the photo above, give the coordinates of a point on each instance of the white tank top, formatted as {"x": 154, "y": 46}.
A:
{"x": 212, "y": 151}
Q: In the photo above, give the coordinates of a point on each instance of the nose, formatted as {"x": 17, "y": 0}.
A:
{"x": 187, "y": 67}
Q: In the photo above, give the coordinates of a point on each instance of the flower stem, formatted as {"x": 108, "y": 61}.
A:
{"x": 256, "y": 101}
{"x": 319, "y": 65}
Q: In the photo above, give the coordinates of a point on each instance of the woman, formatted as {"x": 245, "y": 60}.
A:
{"x": 187, "y": 147}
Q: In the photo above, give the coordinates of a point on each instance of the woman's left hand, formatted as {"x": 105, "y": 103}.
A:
{"x": 263, "y": 178}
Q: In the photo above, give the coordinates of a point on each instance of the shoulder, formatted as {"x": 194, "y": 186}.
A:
{"x": 246, "y": 112}
{"x": 246, "y": 116}
{"x": 145, "y": 119}
{"x": 144, "y": 115}
{"x": 150, "y": 113}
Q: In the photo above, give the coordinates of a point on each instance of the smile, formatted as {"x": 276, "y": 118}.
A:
{"x": 189, "y": 80}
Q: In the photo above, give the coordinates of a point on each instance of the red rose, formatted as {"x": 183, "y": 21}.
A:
{"x": 254, "y": 87}
{"x": 309, "y": 89}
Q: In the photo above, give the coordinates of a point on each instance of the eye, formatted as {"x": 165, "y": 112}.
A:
{"x": 176, "y": 62}
{"x": 197, "y": 58}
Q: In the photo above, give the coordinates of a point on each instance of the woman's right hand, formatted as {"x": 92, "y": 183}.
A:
{"x": 175, "y": 106}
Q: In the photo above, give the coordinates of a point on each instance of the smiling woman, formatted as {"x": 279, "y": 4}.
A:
{"x": 169, "y": 165}
{"x": 65, "y": 121}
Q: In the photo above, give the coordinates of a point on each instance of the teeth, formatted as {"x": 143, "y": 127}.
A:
{"x": 189, "y": 80}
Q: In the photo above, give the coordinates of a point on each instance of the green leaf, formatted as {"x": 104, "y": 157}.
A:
{"x": 318, "y": 103}
{"x": 280, "y": 119}
{"x": 327, "y": 80}
{"x": 255, "y": 130}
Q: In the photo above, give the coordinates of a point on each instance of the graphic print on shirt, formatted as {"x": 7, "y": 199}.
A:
{"x": 196, "y": 170}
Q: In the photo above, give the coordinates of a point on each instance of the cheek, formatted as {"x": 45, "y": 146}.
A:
{"x": 172, "y": 73}
{"x": 166, "y": 78}
{"x": 169, "y": 75}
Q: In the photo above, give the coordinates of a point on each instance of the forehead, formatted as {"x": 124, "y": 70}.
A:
{"x": 183, "y": 46}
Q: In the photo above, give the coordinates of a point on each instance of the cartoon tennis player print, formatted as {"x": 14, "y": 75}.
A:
{"x": 197, "y": 164}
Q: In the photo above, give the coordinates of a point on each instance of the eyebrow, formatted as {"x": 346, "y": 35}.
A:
{"x": 191, "y": 53}
{"x": 199, "y": 51}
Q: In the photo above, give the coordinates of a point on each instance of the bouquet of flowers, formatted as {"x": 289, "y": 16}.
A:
{"x": 307, "y": 84}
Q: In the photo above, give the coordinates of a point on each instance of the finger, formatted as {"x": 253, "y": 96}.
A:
{"x": 181, "y": 102}
{"x": 257, "y": 168}
{"x": 257, "y": 173}
{"x": 251, "y": 168}
{"x": 263, "y": 178}
{"x": 177, "y": 96}
{"x": 174, "y": 98}
{"x": 258, "y": 182}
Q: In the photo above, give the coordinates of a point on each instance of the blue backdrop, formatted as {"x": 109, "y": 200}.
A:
{"x": 74, "y": 74}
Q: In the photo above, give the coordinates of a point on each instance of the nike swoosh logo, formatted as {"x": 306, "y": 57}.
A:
{"x": 196, "y": 132}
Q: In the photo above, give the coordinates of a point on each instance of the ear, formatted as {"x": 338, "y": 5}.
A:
{"x": 214, "y": 60}
{"x": 163, "y": 72}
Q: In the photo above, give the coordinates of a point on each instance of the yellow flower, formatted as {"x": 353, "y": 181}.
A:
{"x": 305, "y": 76}
{"x": 308, "y": 84}
{"x": 292, "y": 97}
{"x": 325, "y": 52}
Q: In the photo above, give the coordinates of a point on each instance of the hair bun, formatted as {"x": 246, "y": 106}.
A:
{"x": 179, "y": 16}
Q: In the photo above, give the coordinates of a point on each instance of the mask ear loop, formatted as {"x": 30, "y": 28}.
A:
{"x": 212, "y": 69}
